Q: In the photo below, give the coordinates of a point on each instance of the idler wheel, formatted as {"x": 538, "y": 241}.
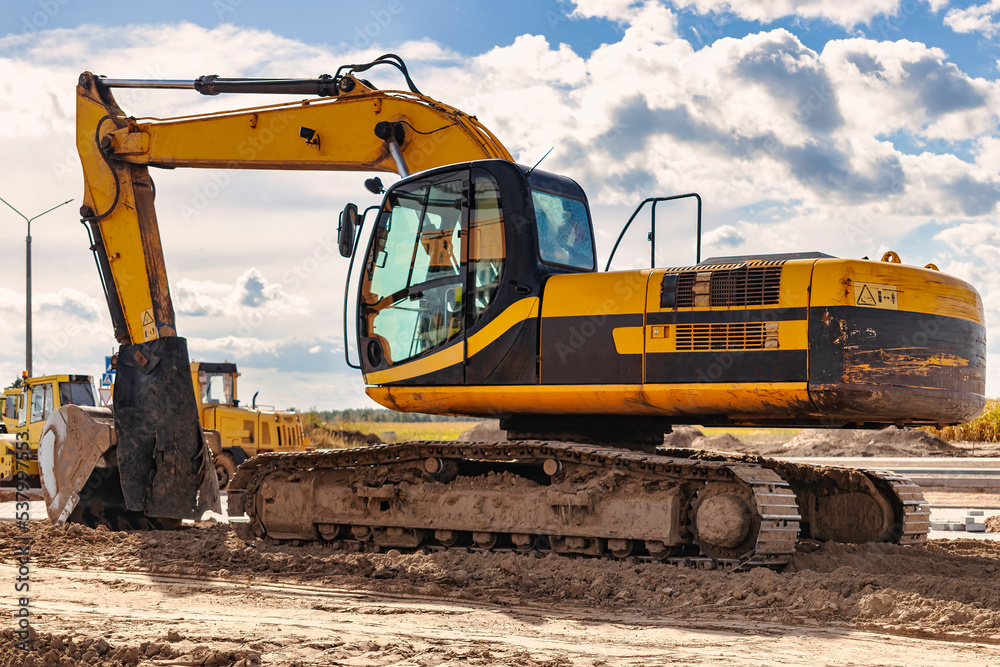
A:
{"x": 725, "y": 523}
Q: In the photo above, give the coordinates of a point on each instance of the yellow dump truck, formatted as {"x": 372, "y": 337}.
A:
{"x": 243, "y": 431}
{"x": 25, "y": 410}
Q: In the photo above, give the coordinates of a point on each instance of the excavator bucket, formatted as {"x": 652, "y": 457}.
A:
{"x": 143, "y": 465}
{"x": 74, "y": 441}
{"x": 166, "y": 466}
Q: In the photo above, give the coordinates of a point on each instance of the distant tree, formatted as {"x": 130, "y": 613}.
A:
{"x": 16, "y": 384}
{"x": 380, "y": 416}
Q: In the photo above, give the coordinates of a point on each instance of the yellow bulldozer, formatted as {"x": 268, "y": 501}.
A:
{"x": 235, "y": 432}
{"x": 241, "y": 431}
{"x": 477, "y": 292}
{"x": 25, "y": 411}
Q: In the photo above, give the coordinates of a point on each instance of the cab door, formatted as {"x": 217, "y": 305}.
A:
{"x": 40, "y": 406}
{"x": 412, "y": 299}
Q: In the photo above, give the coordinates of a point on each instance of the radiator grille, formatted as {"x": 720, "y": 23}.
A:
{"x": 744, "y": 286}
{"x": 730, "y": 336}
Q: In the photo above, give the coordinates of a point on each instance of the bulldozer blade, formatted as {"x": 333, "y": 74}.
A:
{"x": 75, "y": 439}
{"x": 165, "y": 465}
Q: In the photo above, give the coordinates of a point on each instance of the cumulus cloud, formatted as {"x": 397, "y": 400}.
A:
{"x": 842, "y": 148}
{"x": 290, "y": 354}
{"x": 69, "y": 302}
{"x": 846, "y": 13}
{"x": 251, "y": 292}
{"x": 909, "y": 87}
{"x": 978, "y": 239}
{"x": 726, "y": 236}
{"x": 977, "y": 18}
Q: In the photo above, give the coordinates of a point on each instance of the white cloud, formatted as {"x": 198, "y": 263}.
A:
{"x": 905, "y": 86}
{"x": 978, "y": 239}
{"x": 846, "y": 12}
{"x": 252, "y": 292}
{"x": 846, "y": 150}
{"x": 725, "y": 236}
{"x": 977, "y": 18}
{"x": 69, "y": 303}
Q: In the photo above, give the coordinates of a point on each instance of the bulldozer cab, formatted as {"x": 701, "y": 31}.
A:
{"x": 9, "y": 409}
{"x": 216, "y": 383}
{"x": 27, "y": 408}
{"x": 41, "y": 396}
{"x": 452, "y": 250}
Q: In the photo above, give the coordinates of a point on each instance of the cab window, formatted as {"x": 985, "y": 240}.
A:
{"x": 10, "y": 406}
{"x": 563, "y": 230}
{"x": 216, "y": 388}
{"x": 41, "y": 402}
{"x": 487, "y": 251}
{"x": 76, "y": 393}
{"x": 412, "y": 285}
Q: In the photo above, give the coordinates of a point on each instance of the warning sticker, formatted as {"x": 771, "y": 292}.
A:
{"x": 149, "y": 331}
{"x": 876, "y": 295}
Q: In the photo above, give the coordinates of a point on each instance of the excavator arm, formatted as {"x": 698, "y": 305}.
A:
{"x": 357, "y": 129}
{"x": 157, "y": 448}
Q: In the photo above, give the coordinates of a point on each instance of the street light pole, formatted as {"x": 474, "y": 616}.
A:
{"x": 27, "y": 291}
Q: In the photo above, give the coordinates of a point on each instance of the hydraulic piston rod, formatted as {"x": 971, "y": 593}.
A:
{"x": 213, "y": 84}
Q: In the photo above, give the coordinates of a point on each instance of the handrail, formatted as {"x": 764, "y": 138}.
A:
{"x": 347, "y": 283}
{"x": 652, "y": 228}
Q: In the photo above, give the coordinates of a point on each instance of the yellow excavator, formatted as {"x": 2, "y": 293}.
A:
{"x": 476, "y": 291}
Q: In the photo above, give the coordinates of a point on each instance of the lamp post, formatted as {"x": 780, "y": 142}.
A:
{"x": 27, "y": 296}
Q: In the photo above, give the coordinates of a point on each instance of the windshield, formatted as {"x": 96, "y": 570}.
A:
{"x": 76, "y": 393}
{"x": 563, "y": 230}
{"x": 413, "y": 281}
{"x": 216, "y": 388}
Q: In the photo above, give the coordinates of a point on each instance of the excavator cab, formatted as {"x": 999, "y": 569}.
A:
{"x": 454, "y": 259}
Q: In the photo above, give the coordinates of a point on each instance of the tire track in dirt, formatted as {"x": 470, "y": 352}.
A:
{"x": 224, "y": 624}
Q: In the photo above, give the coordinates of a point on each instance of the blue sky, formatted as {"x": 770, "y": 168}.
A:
{"x": 850, "y": 127}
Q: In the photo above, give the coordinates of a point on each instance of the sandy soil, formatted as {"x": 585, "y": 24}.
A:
{"x": 890, "y": 441}
{"x": 200, "y": 596}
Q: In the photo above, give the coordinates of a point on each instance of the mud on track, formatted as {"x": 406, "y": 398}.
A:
{"x": 949, "y": 590}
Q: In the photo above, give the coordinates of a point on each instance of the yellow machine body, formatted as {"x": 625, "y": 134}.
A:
{"x": 251, "y": 430}
{"x": 838, "y": 341}
{"x": 35, "y": 401}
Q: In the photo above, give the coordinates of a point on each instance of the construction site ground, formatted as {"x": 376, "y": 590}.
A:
{"x": 200, "y": 596}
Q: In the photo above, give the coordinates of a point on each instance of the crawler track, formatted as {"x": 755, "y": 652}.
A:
{"x": 570, "y": 498}
{"x": 842, "y": 504}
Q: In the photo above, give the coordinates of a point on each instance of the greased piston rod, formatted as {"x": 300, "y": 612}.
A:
{"x": 213, "y": 84}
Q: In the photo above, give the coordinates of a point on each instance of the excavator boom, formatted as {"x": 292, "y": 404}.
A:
{"x": 161, "y": 455}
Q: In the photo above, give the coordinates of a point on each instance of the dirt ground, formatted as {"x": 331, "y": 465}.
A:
{"x": 890, "y": 441}
{"x": 200, "y": 596}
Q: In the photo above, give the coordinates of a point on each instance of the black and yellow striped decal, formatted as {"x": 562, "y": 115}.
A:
{"x": 455, "y": 354}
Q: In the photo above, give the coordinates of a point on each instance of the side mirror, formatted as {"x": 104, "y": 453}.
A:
{"x": 348, "y": 227}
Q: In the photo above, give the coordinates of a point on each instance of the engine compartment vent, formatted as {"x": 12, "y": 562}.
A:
{"x": 743, "y": 286}
{"x": 728, "y": 336}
